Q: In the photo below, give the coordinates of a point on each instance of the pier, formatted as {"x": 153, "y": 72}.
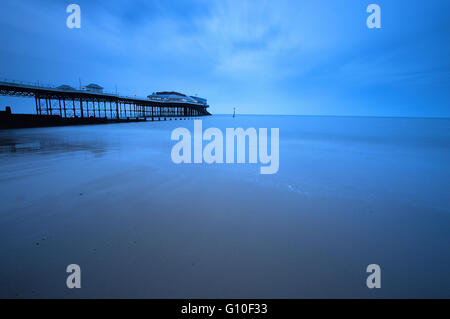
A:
{"x": 65, "y": 102}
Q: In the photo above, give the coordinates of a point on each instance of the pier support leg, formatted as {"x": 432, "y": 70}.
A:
{"x": 37, "y": 105}
{"x": 81, "y": 108}
{"x": 40, "y": 109}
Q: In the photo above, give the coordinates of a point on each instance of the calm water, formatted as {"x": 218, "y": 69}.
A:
{"x": 350, "y": 192}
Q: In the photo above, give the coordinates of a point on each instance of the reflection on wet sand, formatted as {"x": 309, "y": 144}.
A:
{"x": 35, "y": 142}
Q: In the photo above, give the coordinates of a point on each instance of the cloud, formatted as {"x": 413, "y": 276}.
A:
{"x": 265, "y": 56}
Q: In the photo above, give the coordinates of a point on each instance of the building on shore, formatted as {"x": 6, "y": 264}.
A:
{"x": 93, "y": 88}
{"x": 170, "y": 96}
{"x": 65, "y": 87}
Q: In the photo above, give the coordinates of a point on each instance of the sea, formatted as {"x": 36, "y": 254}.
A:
{"x": 350, "y": 192}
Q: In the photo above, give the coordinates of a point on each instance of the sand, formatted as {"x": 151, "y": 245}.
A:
{"x": 349, "y": 192}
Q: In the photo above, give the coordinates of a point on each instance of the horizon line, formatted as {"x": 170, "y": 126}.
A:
{"x": 332, "y": 115}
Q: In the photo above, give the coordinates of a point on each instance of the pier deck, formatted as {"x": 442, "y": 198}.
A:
{"x": 72, "y": 103}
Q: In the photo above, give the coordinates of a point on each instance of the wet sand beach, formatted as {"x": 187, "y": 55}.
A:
{"x": 349, "y": 192}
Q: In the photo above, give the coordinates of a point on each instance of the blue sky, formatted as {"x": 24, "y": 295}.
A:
{"x": 311, "y": 57}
